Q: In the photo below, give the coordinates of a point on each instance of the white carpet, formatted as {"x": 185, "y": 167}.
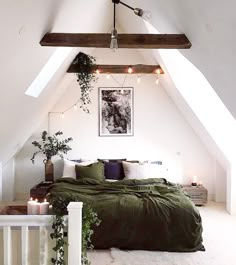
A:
{"x": 219, "y": 239}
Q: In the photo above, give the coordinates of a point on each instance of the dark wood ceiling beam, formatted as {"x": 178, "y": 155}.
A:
{"x": 121, "y": 69}
{"x": 102, "y": 40}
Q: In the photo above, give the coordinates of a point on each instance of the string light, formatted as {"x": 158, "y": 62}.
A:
{"x": 130, "y": 70}
{"x": 158, "y": 71}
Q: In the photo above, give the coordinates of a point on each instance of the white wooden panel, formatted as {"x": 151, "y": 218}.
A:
{"x": 29, "y": 220}
{"x": 74, "y": 233}
{"x": 43, "y": 245}
{"x": 7, "y": 245}
{"x": 24, "y": 244}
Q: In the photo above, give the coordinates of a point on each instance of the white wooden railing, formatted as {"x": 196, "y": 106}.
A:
{"x": 43, "y": 223}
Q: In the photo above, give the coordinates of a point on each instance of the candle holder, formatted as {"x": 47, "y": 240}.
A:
{"x": 194, "y": 181}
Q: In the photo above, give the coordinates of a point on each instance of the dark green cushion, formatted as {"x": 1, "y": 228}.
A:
{"x": 93, "y": 171}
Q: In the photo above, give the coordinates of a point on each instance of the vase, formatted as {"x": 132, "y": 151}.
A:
{"x": 49, "y": 170}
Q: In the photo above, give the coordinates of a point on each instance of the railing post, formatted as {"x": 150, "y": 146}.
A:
{"x": 7, "y": 245}
{"x": 74, "y": 232}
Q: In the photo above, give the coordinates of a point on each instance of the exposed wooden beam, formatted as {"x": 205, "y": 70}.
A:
{"x": 102, "y": 40}
{"x": 121, "y": 69}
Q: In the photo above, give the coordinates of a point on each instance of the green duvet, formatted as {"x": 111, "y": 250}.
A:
{"x": 150, "y": 214}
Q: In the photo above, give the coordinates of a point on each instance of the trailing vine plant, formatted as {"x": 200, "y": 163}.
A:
{"x": 85, "y": 76}
{"x": 89, "y": 220}
{"x": 58, "y": 234}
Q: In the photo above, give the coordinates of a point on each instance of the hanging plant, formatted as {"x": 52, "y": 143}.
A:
{"x": 85, "y": 76}
{"x": 89, "y": 220}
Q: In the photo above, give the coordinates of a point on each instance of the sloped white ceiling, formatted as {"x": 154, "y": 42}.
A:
{"x": 23, "y": 24}
{"x": 210, "y": 26}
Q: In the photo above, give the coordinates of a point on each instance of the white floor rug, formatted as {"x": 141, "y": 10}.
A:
{"x": 219, "y": 241}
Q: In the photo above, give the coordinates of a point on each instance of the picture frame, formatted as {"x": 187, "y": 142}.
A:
{"x": 115, "y": 111}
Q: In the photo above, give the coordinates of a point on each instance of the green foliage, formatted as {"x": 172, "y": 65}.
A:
{"x": 51, "y": 145}
{"x": 57, "y": 234}
{"x": 85, "y": 77}
{"x": 89, "y": 220}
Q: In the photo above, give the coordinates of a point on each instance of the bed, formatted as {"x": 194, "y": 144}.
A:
{"x": 141, "y": 214}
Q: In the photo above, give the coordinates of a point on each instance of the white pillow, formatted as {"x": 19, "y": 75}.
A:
{"x": 135, "y": 170}
{"x": 69, "y": 168}
{"x": 142, "y": 171}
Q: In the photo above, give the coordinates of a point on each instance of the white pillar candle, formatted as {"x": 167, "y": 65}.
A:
{"x": 35, "y": 208}
{"x": 29, "y": 205}
{"x": 44, "y": 207}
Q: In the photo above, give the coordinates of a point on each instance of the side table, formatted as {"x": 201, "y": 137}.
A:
{"x": 198, "y": 194}
{"x": 40, "y": 190}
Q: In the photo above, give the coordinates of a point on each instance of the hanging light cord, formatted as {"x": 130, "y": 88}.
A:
{"x": 114, "y": 17}
{"x": 126, "y": 5}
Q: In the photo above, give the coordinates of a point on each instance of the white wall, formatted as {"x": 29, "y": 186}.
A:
{"x": 0, "y": 181}
{"x": 160, "y": 133}
{"x": 8, "y": 180}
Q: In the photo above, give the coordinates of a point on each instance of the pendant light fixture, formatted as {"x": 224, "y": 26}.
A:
{"x": 114, "y": 43}
{"x": 137, "y": 11}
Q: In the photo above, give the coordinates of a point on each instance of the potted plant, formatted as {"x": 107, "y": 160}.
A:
{"x": 51, "y": 146}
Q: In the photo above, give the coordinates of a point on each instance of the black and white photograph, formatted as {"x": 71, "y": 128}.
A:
{"x": 115, "y": 111}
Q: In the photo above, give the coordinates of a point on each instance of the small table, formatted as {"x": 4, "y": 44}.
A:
{"x": 198, "y": 194}
{"x": 40, "y": 190}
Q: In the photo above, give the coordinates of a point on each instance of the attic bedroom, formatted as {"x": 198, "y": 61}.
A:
{"x": 171, "y": 90}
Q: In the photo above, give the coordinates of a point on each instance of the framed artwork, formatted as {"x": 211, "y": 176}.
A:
{"x": 115, "y": 111}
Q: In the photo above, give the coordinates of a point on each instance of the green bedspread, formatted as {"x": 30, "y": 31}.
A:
{"x": 150, "y": 214}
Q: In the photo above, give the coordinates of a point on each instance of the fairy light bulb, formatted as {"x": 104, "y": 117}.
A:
{"x": 122, "y": 91}
{"x": 108, "y": 76}
{"x": 130, "y": 70}
{"x": 158, "y": 71}
{"x": 157, "y": 81}
{"x": 138, "y": 80}
{"x": 75, "y": 107}
{"x": 97, "y": 72}
{"x": 62, "y": 115}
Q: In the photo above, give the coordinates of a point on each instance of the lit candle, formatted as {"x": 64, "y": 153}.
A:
{"x": 35, "y": 208}
{"x": 44, "y": 207}
{"x": 29, "y": 206}
{"x": 194, "y": 182}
